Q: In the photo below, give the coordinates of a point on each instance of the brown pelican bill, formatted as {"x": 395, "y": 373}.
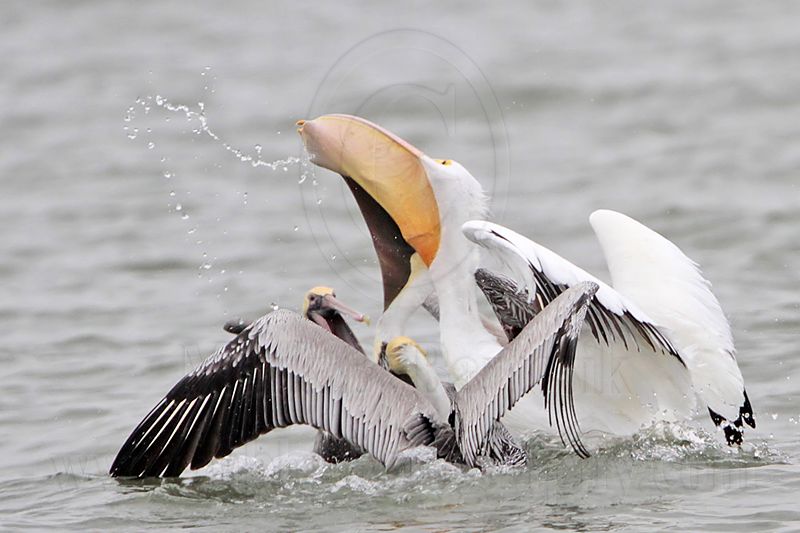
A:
{"x": 282, "y": 370}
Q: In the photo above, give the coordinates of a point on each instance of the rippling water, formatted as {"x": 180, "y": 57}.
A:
{"x": 131, "y": 233}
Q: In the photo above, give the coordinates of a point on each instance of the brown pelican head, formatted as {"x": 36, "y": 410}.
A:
{"x": 321, "y": 306}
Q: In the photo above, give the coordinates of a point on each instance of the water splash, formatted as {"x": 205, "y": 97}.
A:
{"x": 195, "y": 115}
{"x": 198, "y": 114}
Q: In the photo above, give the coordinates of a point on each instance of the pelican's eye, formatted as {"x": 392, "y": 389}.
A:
{"x": 446, "y": 162}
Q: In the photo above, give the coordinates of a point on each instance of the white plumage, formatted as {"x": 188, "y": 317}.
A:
{"x": 650, "y": 270}
{"x": 682, "y": 341}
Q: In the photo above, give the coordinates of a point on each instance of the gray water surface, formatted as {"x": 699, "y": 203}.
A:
{"x": 131, "y": 232}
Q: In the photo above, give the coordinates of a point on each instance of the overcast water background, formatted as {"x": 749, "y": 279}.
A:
{"x": 132, "y": 232}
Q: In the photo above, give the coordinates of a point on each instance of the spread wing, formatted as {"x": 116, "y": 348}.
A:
{"x": 279, "y": 371}
{"x": 542, "y": 349}
{"x": 670, "y": 287}
{"x": 629, "y": 371}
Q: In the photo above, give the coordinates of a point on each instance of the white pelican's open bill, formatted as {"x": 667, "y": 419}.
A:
{"x": 660, "y": 306}
{"x": 281, "y": 370}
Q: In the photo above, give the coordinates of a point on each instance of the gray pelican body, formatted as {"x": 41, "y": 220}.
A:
{"x": 282, "y": 371}
{"x": 321, "y": 307}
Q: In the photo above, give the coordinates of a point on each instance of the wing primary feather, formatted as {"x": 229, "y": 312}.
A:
{"x": 247, "y": 427}
{"x": 151, "y": 457}
{"x": 290, "y": 397}
{"x": 226, "y": 426}
{"x": 190, "y": 440}
{"x": 279, "y": 398}
{"x": 209, "y": 442}
{"x": 176, "y": 439}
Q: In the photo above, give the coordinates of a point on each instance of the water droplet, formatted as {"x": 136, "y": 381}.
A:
{"x": 274, "y": 306}
{"x": 206, "y": 266}
{"x": 333, "y": 258}
{"x": 184, "y": 216}
{"x": 774, "y": 416}
{"x": 172, "y": 193}
{"x": 258, "y": 148}
{"x": 191, "y": 231}
{"x": 151, "y": 145}
{"x": 319, "y": 201}
{"x": 168, "y": 174}
{"x": 295, "y": 228}
{"x": 178, "y": 207}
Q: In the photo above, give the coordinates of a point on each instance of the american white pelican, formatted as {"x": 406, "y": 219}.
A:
{"x": 415, "y": 207}
{"x": 660, "y": 302}
{"x": 281, "y": 370}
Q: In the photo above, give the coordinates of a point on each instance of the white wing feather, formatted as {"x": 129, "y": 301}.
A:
{"x": 669, "y": 287}
{"x": 627, "y": 373}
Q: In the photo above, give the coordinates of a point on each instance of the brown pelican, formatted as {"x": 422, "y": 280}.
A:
{"x": 281, "y": 370}
{"x": 660, "y": 300}
{"x": 321, "y": 306}
{"x": 415, "y": 207}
